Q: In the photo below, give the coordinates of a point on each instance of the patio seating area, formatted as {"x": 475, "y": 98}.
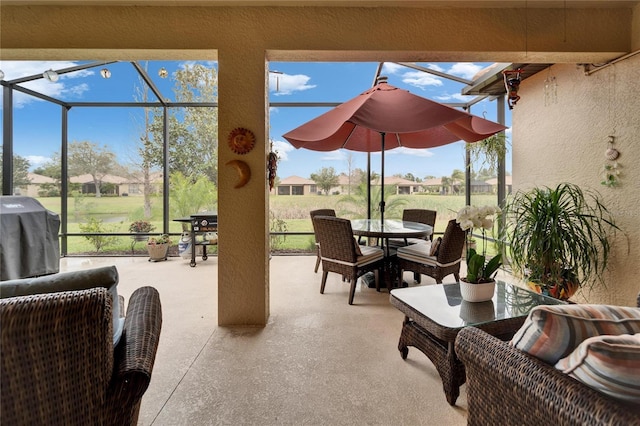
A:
{"x": 319, "y": 360}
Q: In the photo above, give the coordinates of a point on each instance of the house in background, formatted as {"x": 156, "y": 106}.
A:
{"x": 110, "y": 184}
{"x": 494, "y": 184}
{"x": 433, "y": 185}
{"x": 37, "y": 183}
{"x": 134, "y": 185}
{"x": 296, "y": 185}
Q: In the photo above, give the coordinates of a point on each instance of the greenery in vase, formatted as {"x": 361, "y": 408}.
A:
{"x": 478, "y": 269}
{"x": 558, "y": 237}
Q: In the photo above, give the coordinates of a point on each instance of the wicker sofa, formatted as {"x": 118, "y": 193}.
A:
{"x": 59, "y": 365}
{"x": 510, "y": 387}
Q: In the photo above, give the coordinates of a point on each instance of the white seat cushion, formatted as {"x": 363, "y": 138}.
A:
{"x": 369, "y": 254}
{"x": 420, "y": 253}
{"x": 400, "y": 242}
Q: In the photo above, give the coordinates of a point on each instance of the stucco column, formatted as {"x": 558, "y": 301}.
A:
{"x": 243, "y": 258}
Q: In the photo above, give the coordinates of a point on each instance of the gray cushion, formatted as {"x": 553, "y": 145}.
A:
{"x": 106, "y": 277}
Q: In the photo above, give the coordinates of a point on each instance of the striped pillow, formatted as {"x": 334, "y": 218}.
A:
{"x": 553, "y": 332}
{"x": 609, "y": 364}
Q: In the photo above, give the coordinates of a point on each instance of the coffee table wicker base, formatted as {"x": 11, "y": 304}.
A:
{"x": 441, "y": 353}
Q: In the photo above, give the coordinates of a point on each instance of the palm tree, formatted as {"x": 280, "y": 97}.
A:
{"x": 457, "y": 177}
{"x": 355, "y": 205}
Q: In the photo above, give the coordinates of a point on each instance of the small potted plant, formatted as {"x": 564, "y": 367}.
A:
{"x": 140, "y": 228}
{"x": 479, "y": 284}
{"x": 158, "y": 247}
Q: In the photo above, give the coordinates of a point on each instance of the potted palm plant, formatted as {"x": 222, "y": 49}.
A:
{"x": 558, "y": 238}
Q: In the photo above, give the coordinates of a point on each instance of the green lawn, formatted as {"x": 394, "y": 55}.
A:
{"x": 118, "y": 212}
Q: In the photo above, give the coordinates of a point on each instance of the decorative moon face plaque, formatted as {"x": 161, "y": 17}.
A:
{"x": 241, "y": 140}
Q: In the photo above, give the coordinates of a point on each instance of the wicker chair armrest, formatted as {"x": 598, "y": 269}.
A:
{"x": 136, "y": 352}
{"x": 507, "y": 386}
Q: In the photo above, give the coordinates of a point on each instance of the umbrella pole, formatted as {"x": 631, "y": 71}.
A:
{"x": 382, "y": 181}
{"x": 368, "y": 185}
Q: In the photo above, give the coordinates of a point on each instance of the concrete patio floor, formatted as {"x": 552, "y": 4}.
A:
{"x": 319, "y": 361}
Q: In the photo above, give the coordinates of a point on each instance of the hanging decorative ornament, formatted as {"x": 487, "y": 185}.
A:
{"x": 611, "y": 169}
{"x": 611, "y": 153}
{"x": 241, "y": 140}
{"x": 512, "y": 79}
{"x": 163, "y": 73}
{"x": 272, "y": 166}
{"x": 105, "y": 73}
{"x": 1, "y": 75}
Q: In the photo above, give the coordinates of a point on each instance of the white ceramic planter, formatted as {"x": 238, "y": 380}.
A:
{"x": 477, "y": 292}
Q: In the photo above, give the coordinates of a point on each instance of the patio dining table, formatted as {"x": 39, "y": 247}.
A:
{"x": 389, "y": 228}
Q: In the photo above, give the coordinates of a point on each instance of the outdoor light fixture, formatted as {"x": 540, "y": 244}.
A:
{"x": 105, "y": 73}
{"x": 1, "y": 75}
{"x": 51, "y": 75}
{"x": 163, "y": 73}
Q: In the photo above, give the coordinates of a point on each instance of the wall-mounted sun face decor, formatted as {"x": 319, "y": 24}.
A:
{"x": 241, "y": 140}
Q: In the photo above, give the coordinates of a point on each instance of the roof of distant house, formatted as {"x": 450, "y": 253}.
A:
{"x": 296, "y": 180}
{"x": 39, "y": 179}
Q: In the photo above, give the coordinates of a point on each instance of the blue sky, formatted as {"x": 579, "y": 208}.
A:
{"x": 37, "y": 125}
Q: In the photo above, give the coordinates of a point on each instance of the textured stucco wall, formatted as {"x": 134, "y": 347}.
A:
{"x": 244, "y": 38}
{"x": 566, "y": 141}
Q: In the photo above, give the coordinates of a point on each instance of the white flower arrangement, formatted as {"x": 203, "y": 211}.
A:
{"x": 481, "y": 217}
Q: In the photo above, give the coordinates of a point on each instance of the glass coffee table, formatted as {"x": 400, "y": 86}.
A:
{"x": 434, "y": 314}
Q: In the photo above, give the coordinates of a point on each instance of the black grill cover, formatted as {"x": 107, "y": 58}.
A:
{"x": 28, "y": 239}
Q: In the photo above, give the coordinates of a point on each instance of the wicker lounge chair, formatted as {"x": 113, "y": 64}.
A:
{"x": 314, "y": 213}
{"x": 417, "y": 258}
{"x": 60, "y": 366}
{"x": 507, "y": 386}
{"x": 339, "y": 255}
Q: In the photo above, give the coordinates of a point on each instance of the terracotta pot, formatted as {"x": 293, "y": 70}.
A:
{"x": 477, "y": 292}
{"x": 157, "y": 252}
{"x": 563, "y": 291}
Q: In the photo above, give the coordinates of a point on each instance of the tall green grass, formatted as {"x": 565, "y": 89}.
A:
{"x": 119, "y": 212}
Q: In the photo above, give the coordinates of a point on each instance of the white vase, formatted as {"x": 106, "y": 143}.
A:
{"x": 477, "y": 292}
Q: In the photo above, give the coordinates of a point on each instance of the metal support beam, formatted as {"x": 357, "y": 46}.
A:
{"x": 64, "y": 180}
{"x": 502, "y": 187}
{"x": 165, "y": 175}
{"x": 7, "y": 137}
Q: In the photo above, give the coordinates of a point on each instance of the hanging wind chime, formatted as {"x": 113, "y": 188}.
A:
{"x": 611, "y": 169}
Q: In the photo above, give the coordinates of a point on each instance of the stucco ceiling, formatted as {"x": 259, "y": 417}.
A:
{"x": 342, "y": 3}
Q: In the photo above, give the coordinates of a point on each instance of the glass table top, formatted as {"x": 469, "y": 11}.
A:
{"x": 443, "y": 304}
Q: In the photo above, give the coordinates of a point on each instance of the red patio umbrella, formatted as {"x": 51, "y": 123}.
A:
{"x": 385, "y": 117}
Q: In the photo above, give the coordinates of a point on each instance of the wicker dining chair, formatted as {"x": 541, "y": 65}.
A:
{"x": 314, "y": 213}
{"x": 428, "y": 217}
{"x": 417, "y": 257}
{"x": 339, "y": 253}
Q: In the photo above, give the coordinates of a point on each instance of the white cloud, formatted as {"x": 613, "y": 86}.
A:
{"x": 421, "y": 79}
{"x": 286, "y": 84}
{"x": 18, "y": 69}
{"x": 414, "y": 152}
{"x": 435, "y": 67}
{"x": 391, "y": 68}
{"x": 465, "y": 69}
{"x": 455, "y": 97}
{"x": 37, "y": 160}
{"x": 339, "y": 155}
{"x": 282, "y": 148}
